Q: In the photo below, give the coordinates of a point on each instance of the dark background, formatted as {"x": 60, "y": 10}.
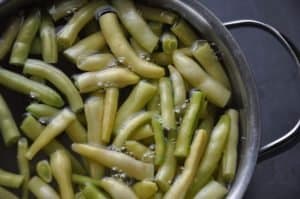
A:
{"x": 278, "y": 84}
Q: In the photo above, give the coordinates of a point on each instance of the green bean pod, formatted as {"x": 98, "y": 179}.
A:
{"x": 162, "y": 58}
{"x": 185, "y": 179}
{"x": 188, "y": 125}
{"x": 32, "y": 129}
{"x": 90, "y": 191}
{"x": 115, "y": 38}
{"x": 108, "y": 158}
{"x": 135, "y": 102}
{"x": 9, "y": 35}
{"x": 111, "y": 77}
{"x": 166, "y": 103}
{"x": 212, "y": 155}
{"x": 36, "y": 46}
{"x": 23, "y": 165}
{"x": 57, "y": 78}
{"x": 209, "y": 121}
{"x": 215, "y": 92}
{"x": 160, "y": 145}
{"x": 166, "y": 172}
{"x": 145, "y": 189}
{"x": 83, "y": 180}
{"x": 44, "y": 171}
{"x": 229, "y": 161}
{"x": 142, "y": 53}
{"x": 156, "y": 27}
{"x": 185, "y": 33}
{"x": 139, "y": 151}
{"x": 135, "y": 24}
{"x": 169, "y": 42}
{"x": 7, "y": 194}
{"x": 87, "y": 46}
{"x": 211, "y": 191}
{"x": 206, "y": 56}
{"x": 129, "y": 125}
{"x": 93, "y": 108}
{"x": 9, "y": 129}
{"x": 22, "y": 45}
{"x": 179, "y": 90}
{"x": 53, "y": 129}
{"x": 110, "y": 111}
{"x": 42, "y": 190}
{"x": 10, "y": 179}
{"x": 62, "y": 172}
{"x": 68, "y": 34}
{"x": 26, "y": 86}
{"x": 63, "y": 8}
{"x": 142, "y": 132}
{"x": 96, "y": 62}
{"x": 117, "y": 189}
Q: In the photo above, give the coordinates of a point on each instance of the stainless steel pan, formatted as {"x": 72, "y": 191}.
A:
{"x": 244, "y": 90}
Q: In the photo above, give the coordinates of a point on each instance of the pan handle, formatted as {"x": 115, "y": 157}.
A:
{"x": 292, "y": 137}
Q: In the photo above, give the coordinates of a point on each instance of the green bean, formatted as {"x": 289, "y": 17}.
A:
{"x": 179, "y": 90}
{"x": 182, "y": 183}
{"x": 62, "y": 172}
{"x": 63, "y": 8}
{"x": 110, "y": 77}
{"x": 216, "y": 93}
{"x": 96, "y": 62}
{"x": 36, "y": 46}
{"x": 67, "y": 35}
{"x": 93, "y": 108}
{"x": 162, "y": 58}
{"x": 44, "y": 171}
{"x": 4, "y": 193}
{"x": 53, "y": 129}
{"x": 142, "y": 53}
{"x": 26, "y": 86}
{"x": 229, "y": 161}
{"x": 10, "y": 179}
{"x": 32, "y": 129}
{"x": 206, "y": 56}
{"x": 145, "y": 189}
{"x": 135, "y": 102}
{"x": 115, "y": 38}
{"x": 211, "y": 191}
{"x": 110, "y": 111}
{"x": 42, "y": 111}
{"x": 169, "y": 42}
{"x": 87, "y": 46}
{"x": 9, "y": 35}
{"x": 158, "y": 195}
{"x": 129, "y": 125}
{"x": 117, "y": 189}
{"x": 42, "y": 190}
{"x": 135, "y": 24}
{"x": 188, "y": 124}
{"x": 212, "y": 155}
{"x": 25, "y": 37}
{"x": 139, "y": 151}
{"x": 157, "y": 14}
{"x": 23, "y": 165}
{"x": 208, "y": 122}
{"x": 90, "y": 191}
{"x": 166, "y": 103}
{"x": 57, "y": 78}
{"x": 108, "y": 158}
{"x": 167, "y": 170}
{"x": 160, "y": 146}
{"x": 79, "y": 195}
{"x": 203, "y": 110}
{"x": 142, "y": 132}
{"x": 156, "y": 27}
{"x": 9, "y": 129}
{"x": 48, "y": 39}
{"x": 83, "y": 180}
{"x": 185, "y": 33}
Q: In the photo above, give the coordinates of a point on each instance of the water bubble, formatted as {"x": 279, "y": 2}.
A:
{"x": 100, "y": 84}
{"x": 121, "y": 59}
{"x": 33, "y": 95}
{"x": 152, "y": 147}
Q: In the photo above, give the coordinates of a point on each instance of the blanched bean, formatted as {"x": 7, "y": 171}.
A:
{"x": 41, "y": 190}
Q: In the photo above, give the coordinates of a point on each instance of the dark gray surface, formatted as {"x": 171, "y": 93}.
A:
{"x": 278, "y": 84}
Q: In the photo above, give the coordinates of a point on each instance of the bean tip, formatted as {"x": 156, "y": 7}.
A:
{"x": 104, "y": 10}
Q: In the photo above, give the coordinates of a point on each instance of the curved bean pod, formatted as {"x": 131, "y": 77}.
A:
{"x": 145, "y": 189}
{"x": 185, "y": 33}
{"x": 10, "y": 179}
{"x": 139, "y": 151}
{"x": 142, "y": 132}
{"x": 96, "y": 62}
{"x": 212, "y": 190}
{"x": 90, "y": 191}
{"x": 41, "y": 190}
{"x": 179, "y": 90}
{"x": 23, "y": 165}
